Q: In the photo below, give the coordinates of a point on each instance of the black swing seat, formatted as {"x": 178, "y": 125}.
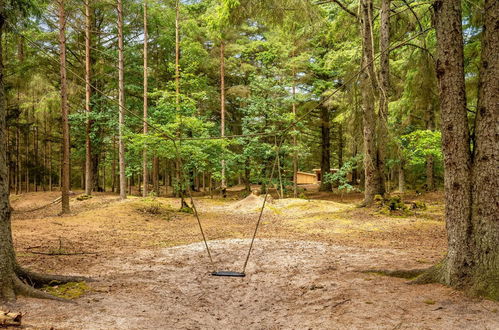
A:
{"x": 228, "y": 273}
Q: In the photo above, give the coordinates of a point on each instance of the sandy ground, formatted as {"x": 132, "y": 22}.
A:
{"x": 306, "y": 271}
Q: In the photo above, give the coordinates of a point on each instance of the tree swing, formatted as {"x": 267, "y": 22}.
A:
{"x": 225, "y": 273}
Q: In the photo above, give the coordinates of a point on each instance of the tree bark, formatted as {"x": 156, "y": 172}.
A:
{"x": 88, "y": 94}
{"x": 371, "y": 173}
{"x": 325, "y": 148}
{"x": 384, "y": 88}
{"x": 472, "y": 260}
{"x": 222, "y": 110}
{"x": 401, "y": 177}
{"x": 145, "y": 178}
{"x": 121, "y": 102}
{"x": 65, "y": 179}
{"x": 485, "y": 206}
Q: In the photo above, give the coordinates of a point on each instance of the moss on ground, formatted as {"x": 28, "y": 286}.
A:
{"x": 71, "y": 290}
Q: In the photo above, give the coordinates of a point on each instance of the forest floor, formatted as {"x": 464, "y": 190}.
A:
{"x": 307, "y": 270}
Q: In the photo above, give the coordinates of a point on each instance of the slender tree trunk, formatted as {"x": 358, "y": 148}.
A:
{"x": 295, "y": 141}
{"x": 401, "y": 177}
{"x": 384, "y": 87}
{"x": 88, "y": 94}
{"x": 121, "y": 101}
{"x": 64, "y": 110}
{"x": 37, "y": 158}
{"x": 222, "y": 110}
{"x": 18, "y": 161}
{"x": 113, "y": 168}
{"x": 145, "y": 178}
{"x": 325, "y": 148}
{"x": 26, "y": 158}
{"x": 371, "y": 173}
{"x": 50, "y": 165}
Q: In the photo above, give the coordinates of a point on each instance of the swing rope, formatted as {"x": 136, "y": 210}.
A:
{"x": 262, "y": 209}
{"x": 183, "y": 179}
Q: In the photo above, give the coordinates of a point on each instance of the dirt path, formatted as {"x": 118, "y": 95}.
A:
{"x": 153, "y": 273}
{"x": 290, "y": 285}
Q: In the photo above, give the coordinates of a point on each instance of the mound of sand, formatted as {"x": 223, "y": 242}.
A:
{"x": 251, "y": 203}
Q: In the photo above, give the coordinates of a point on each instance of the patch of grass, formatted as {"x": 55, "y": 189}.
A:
{"x": 407, "y": 274}
{"x": 71, "y": 290}
{"x": 83, "y": 197}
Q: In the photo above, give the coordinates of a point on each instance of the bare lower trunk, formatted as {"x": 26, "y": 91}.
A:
{"x": 371, "y": 173}
{"x": 145, "y": 178}
{"x": 401, "y": 178}
{"x": 121, "y": 101}
{"x": 64, "y": 109}
{"x": 222, "y": 110}
{"x": 88, "y": 93}
{"x": 384, "y": 94}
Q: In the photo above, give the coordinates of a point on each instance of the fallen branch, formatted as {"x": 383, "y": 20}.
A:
{"x": 62, "y": 253}
{"x": 340, "y": 303}
{"x": 10, "y": 319}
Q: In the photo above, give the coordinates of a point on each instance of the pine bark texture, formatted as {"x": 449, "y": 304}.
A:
{"x": 121, "y": 102}
{"x": 371, "y": 183}
{"x": 145, "y": 176}
{"x": 384, "y": 93}
{"x": 222, "y": 110}
{"x": 65, "y": 176}
{"x": 89, "y": 174}
{"x": 471, "y": 179}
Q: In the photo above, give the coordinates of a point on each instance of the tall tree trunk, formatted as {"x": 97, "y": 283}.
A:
{"x": 371, "y": 173}
{"x": 7, "y": 256}
{"x": 64, "y": 110}
{"x": 295, "y": 141}
{"x": 471, "y": 180}
{"x": 485, "y": 206}
{"x": 145, "y": 178}
{"x": 325, "y": 148}
{"x": 222, "y": 110}
{"x": 121, "y": 102}
{"x": 384, "y": 87}
{"x": 88, "y": 94}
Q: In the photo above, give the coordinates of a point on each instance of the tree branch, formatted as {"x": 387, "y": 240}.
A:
{"x": 343, "y": 6}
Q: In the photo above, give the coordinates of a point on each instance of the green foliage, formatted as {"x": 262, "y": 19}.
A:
{"x": 340, "y": 177}
{"x": 420, "y": 144}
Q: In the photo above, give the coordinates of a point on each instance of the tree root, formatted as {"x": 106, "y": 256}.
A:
{"x": 21, "y": 288}
{"x": 38, "y": 280}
